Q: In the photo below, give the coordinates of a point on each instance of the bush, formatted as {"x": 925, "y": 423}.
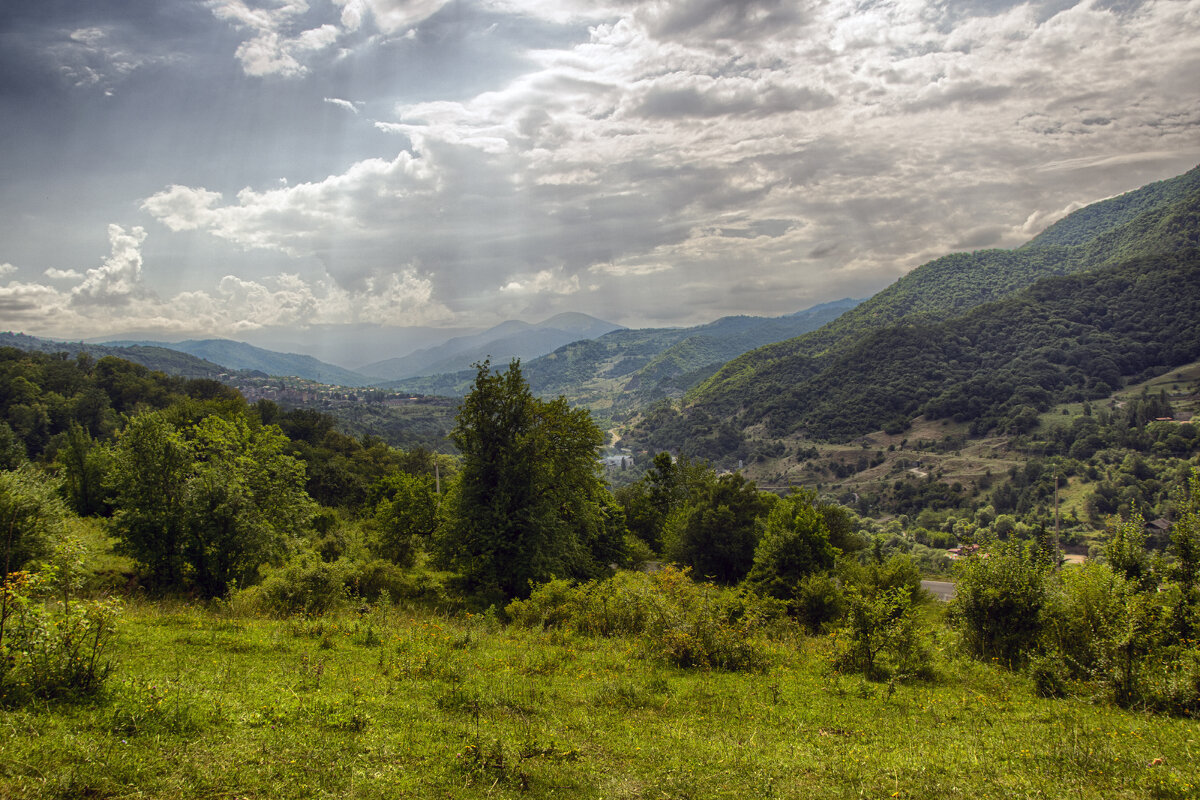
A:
{"x": 675, "y": 619}
{"x": 1085, "y": 613}
{"x": 1048, "y": 673}
{"x": 818, "y": 602}
{"x": 999, "y": 600}
{"x": 305, "y": 585}
{"x": 880, "y": 637}
{"x": 54, "y": 646}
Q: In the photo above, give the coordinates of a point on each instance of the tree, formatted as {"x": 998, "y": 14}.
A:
{"x": 999, "y": 601}
{"x": 407, "y": 511}
{"x": 244, "y": 499}
{"x": 794, "y": 544}
{"x": 718, "y": 533}
{"x": 207, "y": 504}
{"x": 1125, "y": 549}
{"x": 31, "y": 516}
{"x": 529, "y": 503}
{"x": 148, "y": 480}
{"x": 666, "y": 486}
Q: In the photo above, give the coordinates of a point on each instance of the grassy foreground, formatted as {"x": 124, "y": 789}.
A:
{"x": 395, "y": 703}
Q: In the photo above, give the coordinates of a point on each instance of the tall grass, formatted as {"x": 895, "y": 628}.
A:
{"x": 389, "y": 703}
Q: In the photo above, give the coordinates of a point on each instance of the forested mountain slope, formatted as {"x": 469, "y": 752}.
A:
{"x": 628, "y": 367}
{"x": 1064, "y": 339}
{"x": 1160, "y": 218}
{"x": 161, "y": 359}
{"x": 239, "y": 355}
{"x": 506, "y": 341}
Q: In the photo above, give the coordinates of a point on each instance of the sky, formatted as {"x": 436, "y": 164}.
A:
{"x": 242, "y": 168}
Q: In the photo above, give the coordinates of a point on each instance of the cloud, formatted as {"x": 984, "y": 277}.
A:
{"x": 677, "y": 150}
{"x": 97, "y": 57}
{"x": 275, "y": 47}
{"x": 119, "y": 278}
{"x": 390, "y": 16}
{"x": 402, "y": 297}
{"x": 548, "y": 281}
{"x": 62, "y": 274}
{"x": 346, "y": 104}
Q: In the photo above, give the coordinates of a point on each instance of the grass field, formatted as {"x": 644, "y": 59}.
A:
{"x": 392, "y": 703}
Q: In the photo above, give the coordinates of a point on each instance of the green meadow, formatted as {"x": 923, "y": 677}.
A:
{"x": 389, "y": 702}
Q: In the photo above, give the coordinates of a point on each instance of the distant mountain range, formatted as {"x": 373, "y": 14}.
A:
{"x": 242, "y": 356}
{"x": 162, "y": 359}
{"x": 506, "y": 341}
{"x": 622, "y": 369}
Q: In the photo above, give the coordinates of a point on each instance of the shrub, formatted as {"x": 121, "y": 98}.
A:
{"x": 54, "y": 646}
{"x": 1048, "y": 673}
{"x": 305, "y": 585}
{"x": 880, "y": 637}
{"x": 999, "y": 600}
{"x": 818, "y": 602}
{"x": 675, "y": 619}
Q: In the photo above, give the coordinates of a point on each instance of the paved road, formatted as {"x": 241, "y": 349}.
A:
{"x": 942, "y": 590}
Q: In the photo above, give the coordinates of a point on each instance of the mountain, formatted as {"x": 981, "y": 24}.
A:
{"x": 625, "y": 368}
{"x": 506, "y": 341}
{"x": 161, "y": 359}
{"x": 1163, "y": 217}
{"x": 241, "y": 356}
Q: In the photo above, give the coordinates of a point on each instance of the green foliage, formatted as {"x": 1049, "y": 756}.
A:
{"x": 817, "y": 602}
{"x": 881, "y": 636}
{"x": 1125, "y": 550}
{"x": 794, "y": 545}
{"x": 54, "y": 646}
{"x": 405, "y": 515}
{"x": 1000, "y": 596}
{"x": 206, "y": 504}
{"x": 304, "y": 585}
{"x": 675, "y": 619}
{"x": 530, "y": 503}
{"x": 667, "y": 485}
{"x": 718, "y": 531}
{"x": 31, "y": 516}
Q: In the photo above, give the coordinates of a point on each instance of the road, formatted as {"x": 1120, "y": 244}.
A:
{"x": 942, "y": 590}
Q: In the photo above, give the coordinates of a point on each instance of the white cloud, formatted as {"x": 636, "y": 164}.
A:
{"x": 402, "y": 297}
{"x": 734, "y": 156}
{"x": 547, "y": 281}
{"x": 119, "y": 277}
{"x": 95, "y": 57}
{"x": 275, "y": 47}
{"x": 62, "y": 274}
{"x": 346, "y": 104}
{"x": 390, "y": 16}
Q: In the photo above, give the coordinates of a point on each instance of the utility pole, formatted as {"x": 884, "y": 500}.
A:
{"x": 1057, "y": 550}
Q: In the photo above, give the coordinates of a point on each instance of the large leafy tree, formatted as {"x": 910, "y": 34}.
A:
{"x": 529, "y": 503}
{"x": 794, "y": 544}
{"x": 206, "y": 504}
{"x": 718, "y": 532}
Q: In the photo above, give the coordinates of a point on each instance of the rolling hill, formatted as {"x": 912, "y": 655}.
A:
{"x": 1106, "y": 296}
{"x": 1160, "y": 218}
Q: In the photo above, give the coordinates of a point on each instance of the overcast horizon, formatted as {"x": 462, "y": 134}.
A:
{"x": 250, "y": 169}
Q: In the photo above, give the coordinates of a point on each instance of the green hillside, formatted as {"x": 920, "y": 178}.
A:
{"x": 159, "y": 359}
{"x": 1160, "y": 218}
{"x": 628, "y": 368}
